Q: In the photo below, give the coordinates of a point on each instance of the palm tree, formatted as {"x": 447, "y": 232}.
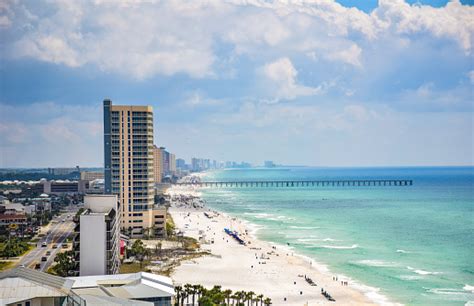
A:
{"x": 196, "y": 290}
{"x": 267, "y": 302}
{"x": 187, "y": 289}
{"x": 260, "y": 298}
{"x": 178, "y": 290}
{"x": 227, "y": 293}
{"x": 235, "y": 298}
{"x": 243, "y": 297}
{"x": 249, "y": 297}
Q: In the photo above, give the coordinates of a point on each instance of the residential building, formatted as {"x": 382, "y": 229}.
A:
{"x": 157, "y": 164}
{"x": 165, "y": 156}
{"x": 181, "y": 164}
{"x": 129, "y": 167}
{"x": 172, "y": 169}
{"x": 97, "y": 240}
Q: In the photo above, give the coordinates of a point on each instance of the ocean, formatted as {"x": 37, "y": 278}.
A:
{"x": 414, "y": 243}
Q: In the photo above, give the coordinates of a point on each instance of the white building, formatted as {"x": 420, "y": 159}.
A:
{"x": 27, "y": 287}
{"x": 97, "y": 244}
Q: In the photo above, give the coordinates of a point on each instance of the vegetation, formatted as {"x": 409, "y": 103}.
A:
{"x": 139, "y": 251}
{"x": 4, "y": 265}
{"x": 13, "y": 247}
{"x": 170, "y": 227}
{"x": 64, "y": 263}
{"x": 134, "y": 267}
{"x": 216, "y": 296}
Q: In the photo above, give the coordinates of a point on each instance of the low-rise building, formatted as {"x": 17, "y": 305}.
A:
{"x": 92, "y": 175}
{"x": 27, "y": 287}
{"x": 142, "y": 288}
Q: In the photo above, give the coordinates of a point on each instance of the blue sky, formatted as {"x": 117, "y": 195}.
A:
{"x": 324, "y": 83}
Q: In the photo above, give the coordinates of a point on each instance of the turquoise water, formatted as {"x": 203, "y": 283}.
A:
{"x": 414, "y": 243}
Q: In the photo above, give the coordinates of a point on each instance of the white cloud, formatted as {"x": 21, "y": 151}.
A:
{"x": 144, "y": 39}
{"x": 350, "y": 55}
{"x": 471, "y": 76}
{"x": 284, "y": 77}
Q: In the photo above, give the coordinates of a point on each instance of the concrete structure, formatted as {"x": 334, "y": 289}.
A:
{"x": 140, "y": 288}
{"x": 129, "y": 169}
{"x": 92, "y": 175}
{"x": 157, "y": 164}
{"x": 27, "y": 287}
{"x": 97, "y": 241}
{"x": 61, "y": 187}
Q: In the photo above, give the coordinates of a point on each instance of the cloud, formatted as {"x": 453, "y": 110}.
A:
{"x": 145, "y": 39}
{"x": 284, "y": 77}
{"x": 48, "y": 133}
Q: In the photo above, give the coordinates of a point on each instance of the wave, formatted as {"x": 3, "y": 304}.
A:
{"x": 340, "y": 247}
{"x": 377, "y": 263}
{"x": 469, "y": 288}
{"x": 403, "y": 251}
{"x": 422, "y": 272}
{"x": 303, "y": 227}
{"x": 410, "y": 277}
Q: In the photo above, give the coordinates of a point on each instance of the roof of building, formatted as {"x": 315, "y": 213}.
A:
{"x": 131, "y": 285}
{"x": 94, "y": 300}
{"x": 20, "y": 284}
{"x": 14, "y": 206}
{"x": 12, "y": 216}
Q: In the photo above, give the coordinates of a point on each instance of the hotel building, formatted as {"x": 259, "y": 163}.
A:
{"x": 129, "y": 167}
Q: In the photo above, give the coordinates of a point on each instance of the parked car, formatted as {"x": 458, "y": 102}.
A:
{"x": 37, "y": 266}
{"x": 55, "y": 246}
{"x": 44, "y": 244}
{"x": 44, "y": 258}
{"x": 48, "y": 253}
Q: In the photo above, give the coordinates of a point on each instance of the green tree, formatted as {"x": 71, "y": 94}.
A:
{"x": 267, "y": 302}
{"x": 139, "y": 251}
{"x": 178, "y": 290}
{"x": 227, "y": 295}
{"x": 65, "y": 263}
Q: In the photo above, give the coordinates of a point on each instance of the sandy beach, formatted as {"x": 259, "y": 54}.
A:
{"x": 258, "y": 266}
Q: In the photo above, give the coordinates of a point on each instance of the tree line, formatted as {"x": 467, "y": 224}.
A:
{"x": 217, "y": 296}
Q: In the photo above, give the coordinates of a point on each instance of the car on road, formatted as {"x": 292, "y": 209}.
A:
{"x": 44, "y": 258}
{"x": 64, "y": 246}
{"x": 44, "y": 244}
{"x": 55, "y": 246}
{"x": 48, "y": 253}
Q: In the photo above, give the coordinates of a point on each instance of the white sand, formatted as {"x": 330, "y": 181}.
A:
{"x": 231, "y": 267}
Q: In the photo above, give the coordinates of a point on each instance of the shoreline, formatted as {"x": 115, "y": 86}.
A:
{"x": 272, "y": 269}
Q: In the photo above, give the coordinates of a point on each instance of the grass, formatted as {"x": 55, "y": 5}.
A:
{"x": 5, "y": 265}
{"x": 134, "y": 267}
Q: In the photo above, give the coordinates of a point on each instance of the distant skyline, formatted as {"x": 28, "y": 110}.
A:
{"x": 318, "y": 83}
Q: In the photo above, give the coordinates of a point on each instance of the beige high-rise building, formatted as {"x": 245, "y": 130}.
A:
{"x": 158, "y": 163}
{"x": 129, "y": 168}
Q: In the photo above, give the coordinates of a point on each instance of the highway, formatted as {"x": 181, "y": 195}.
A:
{"x": 57, "y": 233}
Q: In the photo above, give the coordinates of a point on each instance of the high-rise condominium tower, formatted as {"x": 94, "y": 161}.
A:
{"x": 129, "y": 171}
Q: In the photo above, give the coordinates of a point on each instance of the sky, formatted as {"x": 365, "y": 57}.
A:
{"x": 309, "y": 82}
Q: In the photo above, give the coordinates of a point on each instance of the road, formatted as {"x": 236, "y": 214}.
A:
{"x": 58, "y": 231}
